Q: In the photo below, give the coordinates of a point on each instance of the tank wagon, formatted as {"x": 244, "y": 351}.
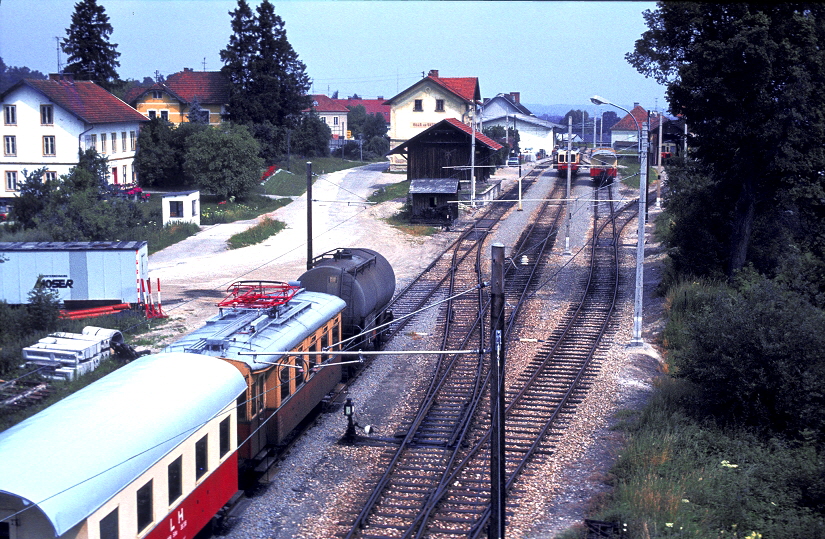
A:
{"x": 365, "y": 281}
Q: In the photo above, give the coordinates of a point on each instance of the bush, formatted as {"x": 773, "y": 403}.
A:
{"x": 755, "y": 356}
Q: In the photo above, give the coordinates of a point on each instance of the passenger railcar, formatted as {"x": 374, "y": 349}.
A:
{"x": 157, "y": 448}
{"x": 147, "y": 451}
{"x": 603, "y": 166}
{"x": 565, "y": 161}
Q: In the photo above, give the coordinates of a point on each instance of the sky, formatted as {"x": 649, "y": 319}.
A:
{"x": 550, "y": 52}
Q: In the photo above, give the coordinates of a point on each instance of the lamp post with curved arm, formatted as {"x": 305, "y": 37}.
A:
{"x": 640, "y": 245}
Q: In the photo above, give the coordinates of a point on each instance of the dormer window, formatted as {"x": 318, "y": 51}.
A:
{"x": 157, "y": 94}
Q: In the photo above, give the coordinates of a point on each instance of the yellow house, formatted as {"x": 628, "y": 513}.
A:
{"x": 172, "y": 100}
{"x": 427, "y": 102}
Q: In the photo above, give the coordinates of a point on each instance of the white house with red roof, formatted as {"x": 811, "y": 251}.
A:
{"x": 427, "y": 102}
{"x": 506, "y": 110}
{"x": 625, "y": 132}
{"x": 173, "y": 99}
{"x": 372, "y": 106}
{"x": 332, "y": 113}
{"x": 46, "y": 123}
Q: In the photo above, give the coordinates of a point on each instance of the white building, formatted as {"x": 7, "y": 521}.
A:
{"x": 47, "y": 122}
{"x": 506, "y": 110}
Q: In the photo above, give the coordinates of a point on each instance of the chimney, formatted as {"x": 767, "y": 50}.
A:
{"x": 433, "y": 73}
{"x": 187, "y": 69}
{"x": 516, "y": 97}
{"x": 636, "y": 104}
{"x": 59, "y": 77}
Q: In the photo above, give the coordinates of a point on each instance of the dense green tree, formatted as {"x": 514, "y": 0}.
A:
{"x": 76, "y": 207}
{"x": 377, "y": 146}
{"x": 157, "y": 162}
{"x": 10, "y": 75}
{"x": 267, "y": 80}
{"x": 224, "y": 160}
{"x": 239, "y": 53}
{"x": 90, "y": 54}
{"x": 755, "y": 356}
{"x": 198, "y": 114}
{"x": 311, "y": 137}
{"x": 750, "y": 81}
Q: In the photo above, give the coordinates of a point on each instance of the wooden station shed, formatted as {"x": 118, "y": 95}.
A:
{"x": 439, "y": 162}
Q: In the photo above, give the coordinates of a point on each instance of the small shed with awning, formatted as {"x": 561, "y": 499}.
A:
{"x": 430, "y": 199}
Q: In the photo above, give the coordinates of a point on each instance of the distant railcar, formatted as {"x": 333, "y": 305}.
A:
{"x": 565, "y": 160}
{"x": 603, "y": 166}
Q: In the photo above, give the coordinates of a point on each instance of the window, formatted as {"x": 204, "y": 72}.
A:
{"x": 322, "y": 358}
{"x": 50, "y": 176}
{"x": 165, "y": 115}
{"x": 114, "y": 142}
{"x": 419, "y": 105}
{"x": 123, "y": 141}
{"x": 223, "y": 441}
{"x": 103, "y": 143}
{"x": 194, "y": 208}
{"x": 10, "y": 145}
{"x": 201, "y": 457}
{"x": 175, "y": 475}
{"x": 241, "y": 405}
{"x": 285, "y": 373}
{"x": 439, "y": 105}
{"x": 335, "y": 120}
{"x": 48, "y": 145}
{"x": 10, "y": 114}
{"x": 132, "y": 140}
{"x": 92, "y": 143}
{"x": 157, "y": 94}
{"x": 144, "y": 506}
{"x": 46, "y": 114}
{"x": 324, "y": 119}
{"x": 11, "y": 180}
{"x": 175, "y": 208}
{"x": 152, "y": 114}
{"x": 260, "y": 395}
{"x": 109, "y": 526}
{"x": 125, "y": 177}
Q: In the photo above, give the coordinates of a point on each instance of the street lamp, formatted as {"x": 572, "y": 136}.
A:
{"x": 640, "y": 245}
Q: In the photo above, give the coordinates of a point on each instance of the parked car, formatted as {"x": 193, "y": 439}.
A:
{"x": 513, "y": 162}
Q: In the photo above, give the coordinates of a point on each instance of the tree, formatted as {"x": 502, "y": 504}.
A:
{"x": 90, "y": 54}
{"x": 9, "y": 76}
{"x": 157, "y": 161}
{"x": 750, "y": 81}
{"x": 224, "y": 160}
{"x": 311, "y": 137}
{"x": 267, "y": 80}
{"x": 198, "y": 114}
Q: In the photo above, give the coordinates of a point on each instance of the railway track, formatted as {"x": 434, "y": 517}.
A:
{"x": 436, "y": 483}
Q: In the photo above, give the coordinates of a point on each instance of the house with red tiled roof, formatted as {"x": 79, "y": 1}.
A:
{"x": 332, "y": 113}
{"x": 372, "y": 106}
{"x": 172, "y": 99}
{"x": 624, "y": 134}
{"x": 47, "y": 122}
{"x": 427, "y": 102}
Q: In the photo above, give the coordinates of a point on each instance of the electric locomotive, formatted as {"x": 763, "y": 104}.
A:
{"x": 565, "y": 161}
{"x": 603, "y": 166}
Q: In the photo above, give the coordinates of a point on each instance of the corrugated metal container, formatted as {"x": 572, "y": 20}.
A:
{"x": 77, "y": 271}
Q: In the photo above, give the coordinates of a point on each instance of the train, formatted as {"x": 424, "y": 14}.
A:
{"x": 160, "y": 446}
{"x": 563, "y": 161}
{"x": 603, "y": 165}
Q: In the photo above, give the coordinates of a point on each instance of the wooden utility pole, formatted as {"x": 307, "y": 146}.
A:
{"x": 309, "y": 215}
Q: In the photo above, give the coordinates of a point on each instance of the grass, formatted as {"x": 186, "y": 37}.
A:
{"x": 256, "y": 234}
{"x": 392, "y": 191}
{"x": 214, "y": 211}
{"x": 294, "y": 182}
